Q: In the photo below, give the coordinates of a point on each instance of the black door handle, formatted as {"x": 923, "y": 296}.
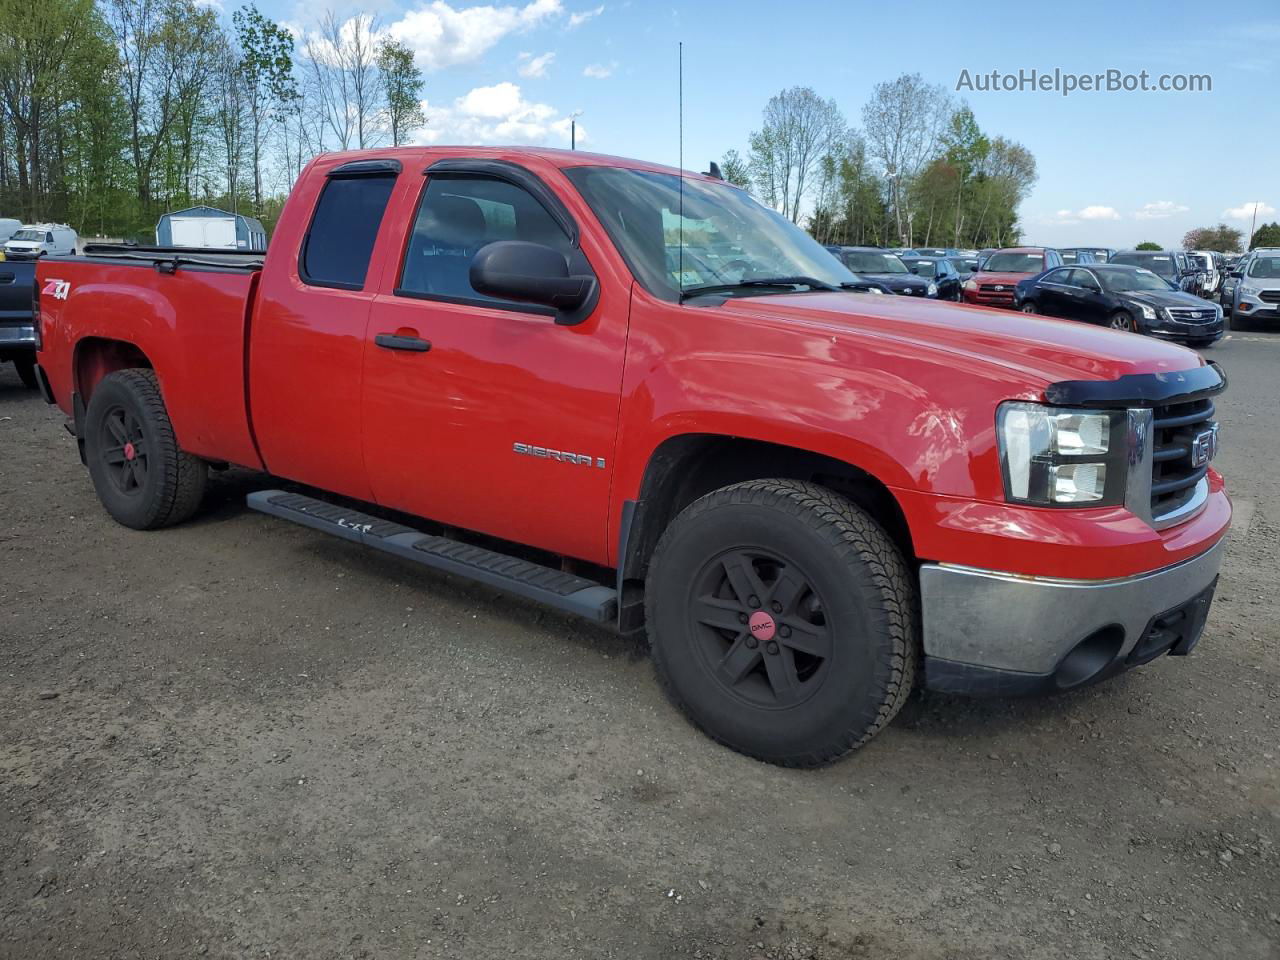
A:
{"x": 393, "y": 342}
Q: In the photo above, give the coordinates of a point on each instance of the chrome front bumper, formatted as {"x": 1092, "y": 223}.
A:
{"x": 1000, "y": 633}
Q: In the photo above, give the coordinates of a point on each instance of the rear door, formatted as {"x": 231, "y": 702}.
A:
{"x": 306, "y": 352}
{"x": 506, "y": 424}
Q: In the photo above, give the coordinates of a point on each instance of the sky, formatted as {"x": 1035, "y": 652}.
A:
{"x": 1115, "y": 168}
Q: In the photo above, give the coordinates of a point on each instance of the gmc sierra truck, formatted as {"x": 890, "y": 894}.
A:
{"x": 637, "y": 395}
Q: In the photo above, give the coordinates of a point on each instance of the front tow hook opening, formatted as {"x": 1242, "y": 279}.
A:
{"x": 1090, "y": 658}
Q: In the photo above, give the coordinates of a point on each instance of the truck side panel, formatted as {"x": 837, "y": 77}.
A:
{"x": 189, "y": 325}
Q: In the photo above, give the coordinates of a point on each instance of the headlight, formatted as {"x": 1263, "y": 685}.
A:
{"x": 933, "y": 290}
{"x": 1061, "y": 457}
{"x": 1147, "y": 312}
{"x": 971, "y": 284}
{"x": 875, "y": 290}
{"x": 1247, "y": 291}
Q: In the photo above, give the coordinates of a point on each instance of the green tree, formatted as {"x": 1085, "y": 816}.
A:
{"x": 735, "y": 169}
{"x": 401, "y": 83}
{"x": 1222, "y": 238}
{"x": 1148, "y": 245}
{"x": 266, "y": 71}
{"x": 1267, "y": 235}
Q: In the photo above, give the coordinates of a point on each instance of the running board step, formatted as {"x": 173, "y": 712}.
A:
{"x": 547, "y": 585}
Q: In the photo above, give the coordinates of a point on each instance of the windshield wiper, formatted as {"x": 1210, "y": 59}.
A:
{"x": 812, "y": 283}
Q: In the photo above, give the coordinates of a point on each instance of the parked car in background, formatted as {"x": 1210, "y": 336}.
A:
{"x": 1099, "y": 254}
{"x": 940, "y": 272}
{"x": 1204, "y": 261}
{"x": 1257, "y": 293}
{"x": 8, "y": 227}
{"x": 993, "y": 284}
{"x": 1122, "y": 298}
{"x": 937, "y": 251}
{"x": 1168, "y": 265}
{"x": 41, "y": 240}
{"x": 17, "y": 328}
{"x": 898, "y": 251}
{"x": 1073, "y": 255}
{"x": 965, "y": 263}
{"x": 873, "y": 263}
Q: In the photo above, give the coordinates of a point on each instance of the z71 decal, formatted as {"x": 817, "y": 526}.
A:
{"x": 58, "y": 289}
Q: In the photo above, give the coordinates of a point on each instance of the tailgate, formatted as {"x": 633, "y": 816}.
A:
{"x": 16, "y": 280}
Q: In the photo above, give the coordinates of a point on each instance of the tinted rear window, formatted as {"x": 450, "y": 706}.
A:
{"x": 345, "y": 225}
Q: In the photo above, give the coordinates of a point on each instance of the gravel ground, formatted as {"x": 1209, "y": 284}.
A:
{"x": 240, "y": 738}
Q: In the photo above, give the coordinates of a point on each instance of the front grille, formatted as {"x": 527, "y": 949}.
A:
{"x": 1174, "y": 472}
{"x": 1192, "y": 314}
{"x": 1269, "y": 296}
{"x": 991, "y": 288}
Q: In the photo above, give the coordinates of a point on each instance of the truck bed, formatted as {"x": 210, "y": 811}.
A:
{"x": 183, "y": 312}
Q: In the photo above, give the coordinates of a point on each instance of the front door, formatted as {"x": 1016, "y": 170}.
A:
{"x": 487, "y": 414}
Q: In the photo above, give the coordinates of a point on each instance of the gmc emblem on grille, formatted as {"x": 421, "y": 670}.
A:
{"x": 1204, "y": 446}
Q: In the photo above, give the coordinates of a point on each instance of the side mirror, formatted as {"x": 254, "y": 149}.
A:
{"x": 1237, "y": 273}
{"x": 530, "y": 273}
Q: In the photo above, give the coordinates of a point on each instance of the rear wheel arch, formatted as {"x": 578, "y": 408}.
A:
{"x": 97, "y": 357}
{"x": 686, "y": 467}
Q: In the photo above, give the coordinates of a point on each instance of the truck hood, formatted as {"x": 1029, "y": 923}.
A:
{"x": 1034, "y": 350}
{"x": 1009, "y": 280}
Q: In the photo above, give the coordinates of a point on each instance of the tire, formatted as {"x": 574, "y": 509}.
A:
{"x": 839, "y": 588}
{"x": 141, "y": 476}
{"x": 1122, "y": 320}
{"x": 27, "y": 372}
{"x": 1027, "y": 306}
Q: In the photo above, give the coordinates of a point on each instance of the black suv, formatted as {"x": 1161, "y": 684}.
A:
{"x": 872, "y": 263}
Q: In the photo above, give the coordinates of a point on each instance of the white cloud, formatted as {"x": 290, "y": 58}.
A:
{"x": 1099, "y": 213}
{"x": 496, "y": 114}
{"x": 600, "y": 71}
{"x": 1159, "y": 210}
{"x": 441, "y": 35}
{"x": 531, "y": 66}
{"x": 1092, "y": 212}
{"x": 1246, "y": 210}
{"x": 578, "y": 19}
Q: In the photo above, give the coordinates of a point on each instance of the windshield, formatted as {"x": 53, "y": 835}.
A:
{"x": 28, "y": 235}
{"x": 1118, "y": 281}
{"x": 931, "y": 251}
{"x": 723, "y": 237}
{"x": 1200, "y": 263}
{"x": 922, "y": 268}
{"x": 1069, "y": 256}
{"x": 1014, "y": 263}
{"x": 871, "y": 261}
{"x": 1157, "y": 263}
{"x": 1265, "y": 268}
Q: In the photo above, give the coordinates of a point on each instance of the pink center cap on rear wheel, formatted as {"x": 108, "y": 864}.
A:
{"x": 762, "y": 626}
{"x": 129, "y": 451}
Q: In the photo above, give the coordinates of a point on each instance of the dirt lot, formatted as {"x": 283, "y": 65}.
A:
{"x": 240, "y": 738}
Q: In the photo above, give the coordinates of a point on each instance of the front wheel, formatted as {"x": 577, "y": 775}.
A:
{"x": 142, "y": 477}
{"x": 782, "y": 621}
{"x": 1121, "y": 320}
{"x": 1028, "y": 307}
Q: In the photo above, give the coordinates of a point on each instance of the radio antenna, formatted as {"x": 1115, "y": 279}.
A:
{"x": 680, "y": 172}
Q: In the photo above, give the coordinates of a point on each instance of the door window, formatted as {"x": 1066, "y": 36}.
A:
{"x": 345, "y": 225}
{"x": 457, "y": 216}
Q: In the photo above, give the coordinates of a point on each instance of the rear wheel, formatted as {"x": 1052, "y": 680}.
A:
{"x": 141, "y": 476}
{"x": 782, "y": 621}
{"x": 26, "y": 367}
{"x": 1121, "y": 320}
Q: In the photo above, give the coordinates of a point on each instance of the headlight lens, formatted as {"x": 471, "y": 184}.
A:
{"x": 1147, "y": 312}
{"x": 933, "y": 290}
{"x": 971, "y": 284}
{"x": 1248, "y": 291}
{"x": 1057, "y": 457}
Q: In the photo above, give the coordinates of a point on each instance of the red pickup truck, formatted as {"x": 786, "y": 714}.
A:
{"x": 642, "y": 397}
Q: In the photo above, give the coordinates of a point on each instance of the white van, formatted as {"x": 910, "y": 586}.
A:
{"x": 41, "y": 239}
